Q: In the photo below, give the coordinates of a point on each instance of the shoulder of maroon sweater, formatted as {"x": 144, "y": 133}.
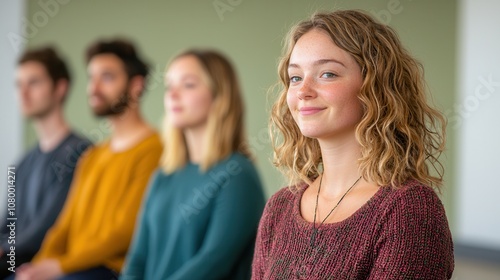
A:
{"x": 414, "y": 221}
{"x": 412, "y": 200}
{"x": 282, "y": 200}
{"x": 279, "y": 207}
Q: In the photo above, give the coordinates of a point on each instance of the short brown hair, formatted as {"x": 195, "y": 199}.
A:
{"x": 123, "y": 49}
{"x": 49, "y": 58}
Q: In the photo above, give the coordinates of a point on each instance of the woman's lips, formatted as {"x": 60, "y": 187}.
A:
{"x": 175, "y": 109}
{"x": 305, "y": 111}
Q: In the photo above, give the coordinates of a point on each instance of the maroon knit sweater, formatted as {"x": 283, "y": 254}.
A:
{"x": 397, "y": 234}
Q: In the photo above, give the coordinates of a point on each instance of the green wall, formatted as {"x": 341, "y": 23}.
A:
{"x": 251, "y": 34}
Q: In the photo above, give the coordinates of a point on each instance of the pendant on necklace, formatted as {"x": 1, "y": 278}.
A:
{"x": 313, "y": 236}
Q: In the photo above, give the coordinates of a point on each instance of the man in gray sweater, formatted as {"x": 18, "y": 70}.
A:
{"x": 44, "y": 175}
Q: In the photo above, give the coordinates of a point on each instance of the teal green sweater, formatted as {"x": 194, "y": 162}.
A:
{"x": 198, "y": 225}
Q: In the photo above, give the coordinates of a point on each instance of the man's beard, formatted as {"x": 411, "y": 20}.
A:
{"x": 114, "y": 108}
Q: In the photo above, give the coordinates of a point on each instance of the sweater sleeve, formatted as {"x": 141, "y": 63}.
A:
{"x": 117, "y": 239}
{"x": 262, "y": 243}
{"x": 235, "y": 216}
{"x": 415, "y": 242}
{"x": 135, "y": 264}
{"x": 23, "y": 165}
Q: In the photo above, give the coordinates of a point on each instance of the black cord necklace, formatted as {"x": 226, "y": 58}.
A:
{"x": 315, "y": 229}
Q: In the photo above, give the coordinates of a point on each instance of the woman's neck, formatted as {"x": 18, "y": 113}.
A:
{"x": 195, "y": 140}
{"x": 340, "y": 164}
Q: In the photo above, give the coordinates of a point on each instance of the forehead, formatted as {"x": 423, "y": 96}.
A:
{"x": 106, "y": 62}
{"x": 317, "y": 45}
{"x": 32, "y": 68}
{"x": 184, "y": 66}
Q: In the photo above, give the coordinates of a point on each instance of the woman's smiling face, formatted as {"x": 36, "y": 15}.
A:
{"x": 323, "y": 88}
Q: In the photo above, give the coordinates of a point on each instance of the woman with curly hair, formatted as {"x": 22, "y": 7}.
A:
{"x": 354, "y": 134}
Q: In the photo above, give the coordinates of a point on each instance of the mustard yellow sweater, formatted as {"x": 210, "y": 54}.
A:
{"x": 98, "y": 219}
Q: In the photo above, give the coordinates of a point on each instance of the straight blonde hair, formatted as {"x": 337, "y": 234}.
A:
{"x": 225, "y": 124}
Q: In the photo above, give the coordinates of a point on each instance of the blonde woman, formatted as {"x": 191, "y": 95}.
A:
{"x": 355, "y": 135}
{"x": 201, "y": 215}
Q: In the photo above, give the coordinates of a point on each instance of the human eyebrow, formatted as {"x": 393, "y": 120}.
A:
{"x": 319, "y": 62}
{"x": 325, "y": 61}
{"x": 189, "y": 77}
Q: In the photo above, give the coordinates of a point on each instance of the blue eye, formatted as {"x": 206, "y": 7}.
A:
{"x": 295, "y": 79}
{"x": 328, "y": 75}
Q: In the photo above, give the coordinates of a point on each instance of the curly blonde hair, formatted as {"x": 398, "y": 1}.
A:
{"x": 400, "y": 133}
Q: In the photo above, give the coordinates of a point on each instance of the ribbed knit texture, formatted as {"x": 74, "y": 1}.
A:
{"x": 398, "y": 234}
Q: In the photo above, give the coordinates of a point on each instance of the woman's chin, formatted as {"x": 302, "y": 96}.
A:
{"x": 310, "y": 134}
